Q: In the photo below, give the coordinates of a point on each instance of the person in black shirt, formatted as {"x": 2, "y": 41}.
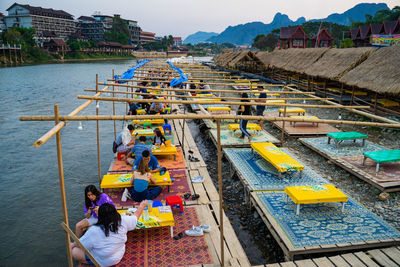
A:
{"x": 245, "y": 110}
{"x": 260, "y": 109}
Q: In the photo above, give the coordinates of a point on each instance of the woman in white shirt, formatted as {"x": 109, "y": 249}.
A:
{"x": 106, "y": 239}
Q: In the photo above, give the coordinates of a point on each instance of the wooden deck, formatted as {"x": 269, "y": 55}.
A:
{"x": 291, "y": 252}
{"x": 370, "y": 258}
{"x": 380, "y": 180}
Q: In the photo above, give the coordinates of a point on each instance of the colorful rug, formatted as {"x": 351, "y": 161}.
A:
{"x": 164, "y": 161}
{"x": 155, "y": 247}
{"x": 261, "y": 175}
{"x": 228, "y": 138}
{"x": 320, "y": 224}
{"x": 346, "y": 148}
{"x": 388, "y": 172}
{"x": 179, "y": 187}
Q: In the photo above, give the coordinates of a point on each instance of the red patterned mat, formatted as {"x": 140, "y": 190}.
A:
{"x": 388, "y": 172}
{"x": 179, "y": 187}
{"x": 164, "y": 161}
{"x": 155, "y": 247}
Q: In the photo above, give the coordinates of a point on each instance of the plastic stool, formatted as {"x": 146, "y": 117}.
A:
{"x": 147, "y": 125}
{"x": 119, "y": 155}
{"x": 167, "y": 127}
{"x": 167, "y": 110}
{"x": 157, "y": 203}
{"x": 174, "y": 201}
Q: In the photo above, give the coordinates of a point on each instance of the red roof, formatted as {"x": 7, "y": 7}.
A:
{"x": 177, "y": 39}
{"x": 323, "y": 35}
{"x": 363, "y": 31}
{"x": 353, "y": 33}
{"x": 112, "y": 44}
{"x": 397, "y": 27}
{"x": 293, "y": 32}
{"x": 389, "y": 26}
{"x": 376, "y": 28}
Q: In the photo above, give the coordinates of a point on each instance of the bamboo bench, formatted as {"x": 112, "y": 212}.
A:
{"x": 299, "y": 111}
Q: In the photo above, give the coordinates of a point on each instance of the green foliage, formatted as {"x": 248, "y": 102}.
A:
{"x": 265, "y": 42}
{"x": 379, "y": 17}
{"x": 347, "y": 43}
{"x": 119, "y": 31}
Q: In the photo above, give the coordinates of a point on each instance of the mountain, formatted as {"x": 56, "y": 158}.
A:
{"x": 245, "y": 33}
{"x": 199, "y": 37}
{"x": 357, "y": 13}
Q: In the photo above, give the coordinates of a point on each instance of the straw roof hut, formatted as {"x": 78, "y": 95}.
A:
{"x": 380, "y": 72}
{"x": 225, "y": 53}
{"x": 263, "y": 57}
{"x": 301, "y": 59}
{"x": 225, "y": 61}
{"x": 336, "y": 62}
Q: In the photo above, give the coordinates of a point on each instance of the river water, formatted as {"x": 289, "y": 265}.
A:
{"x": 29, "y": 187}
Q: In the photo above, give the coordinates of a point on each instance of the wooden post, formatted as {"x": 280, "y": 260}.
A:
{"x": 308, "y": 83}
{"x": 352, "y": 96}
{"x": 376, "y": 101}
{"x": 283, "y": 126}
{"x": 183, "y": 131}
{"x": 341, "y": 94}
{"x": 98, "y": 133}
{"x": 325, "y": 88}
{"x": 115, "y": 129}
{"x": 221, "y": 218}
{"x": 62, "y": 186}
{"x": 15, "y": 54}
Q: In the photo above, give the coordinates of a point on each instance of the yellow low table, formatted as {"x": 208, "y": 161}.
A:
{"x": 219, "y": 109}
{"x": 124, "y": 180}
{"x": 158, "y": 217}
{"x": 315, "y": 194}
{"x": 278, "y": 158}
{"x": 250, "y": 126}
{"x": 164, "y": 151}
{"x": 146, "y": 132}
{"x": 299, "y": 111}
{"x": 140, "y": 111}
{"x": 275, "y": 101}
{"x": 386, "y": 102}
{"x": 304, "y": 117}
{"x": 152, "y": 121}
{"x": 203, "y": 95}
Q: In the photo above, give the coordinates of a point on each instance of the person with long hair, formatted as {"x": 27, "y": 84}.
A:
{"x": 93, "y": 200}
{"x": 106, "y": 239}
{"x": 140, "y": 183}
{"x": 245, "y": 110}
{"x": 159, "y": 138}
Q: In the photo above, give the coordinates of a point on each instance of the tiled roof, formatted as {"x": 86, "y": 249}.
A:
{"x": 389, "y": 26}
{"x": 363, "y": 31}
{"x": 376, "y": 28}
{"x": 44, "y": 11}
{"x": 286, "y": 32}
{"x": 86, "y": 18}
{"x": 353, "y": 33}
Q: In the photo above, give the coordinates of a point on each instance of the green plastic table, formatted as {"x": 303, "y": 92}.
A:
{"x": 384, "y": 156}
{"x": 339, "y": 137}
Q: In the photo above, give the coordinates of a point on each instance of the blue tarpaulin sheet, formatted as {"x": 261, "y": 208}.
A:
{"x": 127, "y": 75}
{"x": 176, "y": 81}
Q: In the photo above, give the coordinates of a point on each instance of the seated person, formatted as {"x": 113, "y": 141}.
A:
{"x": 132, "y": 108}
{"x": 140, "y": 183}
{"x": 106, "y": 239}
{"x": 159, "y": 138}
{"x": 143, "y": 90}
{"x": 156, "y": 108}
{"x": 137, "y": 149}
{"x": 124, "y": 141}
{"x": 151, "y": 161}
{"x": 192, "y": 86}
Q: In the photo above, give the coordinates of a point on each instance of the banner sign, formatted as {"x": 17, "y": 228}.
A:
{"x": 385, "y": 40}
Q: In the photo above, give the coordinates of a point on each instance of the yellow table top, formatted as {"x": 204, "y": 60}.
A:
{"x": 275, "y": 101}
{"x": 158, "y": 217}
{"x": 124, "y": 180}
{"x": 278, "y": 158}
{"x": 315, "y": 194}
{"x": 356, "y": 92}
{"x": 304, "y": 117}
{"x": 292, "y": 110}
{"x": 207, "y": 99}
{"x": 386, "y": 102}
{"x": 204, "y": 95}
{"x": 218, "y": 108}
{"x": 152, "y": 121}
{"x": 250, "y": 126}
{"x": 141, "y": 111}
{"x": 166, "y": 150}
{"x": 146, "y": 132}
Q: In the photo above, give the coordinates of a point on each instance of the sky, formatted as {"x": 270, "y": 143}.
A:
{"x": 184, "y": 17}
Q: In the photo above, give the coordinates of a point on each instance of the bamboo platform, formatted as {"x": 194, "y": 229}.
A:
{"x": 291, "y": 252}
{"x": 387, "y": 179}
{"x": 229, "y": 139}
{"x": 370, "y": 258}
{"x": 303, "y": 129}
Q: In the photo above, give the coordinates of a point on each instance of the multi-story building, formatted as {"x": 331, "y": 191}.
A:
{"x": 146, "y": 37}
{"x": 2, "y": 23}
{"x": 134, "y": 29}
{"x": 91, "y": 28}
{"x": 46, "y": 22}
{"x": 177, "y": 41}
{"x": 158, "y": 38}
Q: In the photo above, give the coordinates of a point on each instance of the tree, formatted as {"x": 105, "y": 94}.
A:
{"x": 347, "y": 43}
{"x": 119, "y": 31}
{"x": 265, "y": 42}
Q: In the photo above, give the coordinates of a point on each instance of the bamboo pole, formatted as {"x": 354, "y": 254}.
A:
{"x": 208, "y": 90}
{"x": 227, "y": 84}
{"x": 283, "y": 127}
{"x": 167, "y": 79}
{"x": 213, "y": 102}
{"x": 56, "y": 128}
{"x": 211, "y": 97}
{"x": 221, "y": 214}
{"x": 205, "y": 117}
{"x": 115, "y": 128}
{"x": 98, "y": 133}
{"x": 62, "y": 186}
{"x": 81, "y": 246}
{"x": 183, "y": 132}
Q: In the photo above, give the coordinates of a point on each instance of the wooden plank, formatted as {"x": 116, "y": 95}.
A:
{"x": 352, "y": 260}
{"x": 273, "y": 265}
{"x": 234, "y": 262}
{"x": 381, "y": 258}
{"x": 393, "y": 253}
{"x": 305, "y": 263}
{"x": 338, "y": 261}
{"x": 288, "y": 264}
{"x": 323, "y": 262}
{"x": 365, "y": 259}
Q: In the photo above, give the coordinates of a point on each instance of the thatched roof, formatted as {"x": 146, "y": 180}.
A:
{"x": 225, "y": 61}
{"x": 336, "y": 62}
{"x": 224, "y": 54}
{"x": 300, "y": 59}
{"x": 380, "y": 72}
